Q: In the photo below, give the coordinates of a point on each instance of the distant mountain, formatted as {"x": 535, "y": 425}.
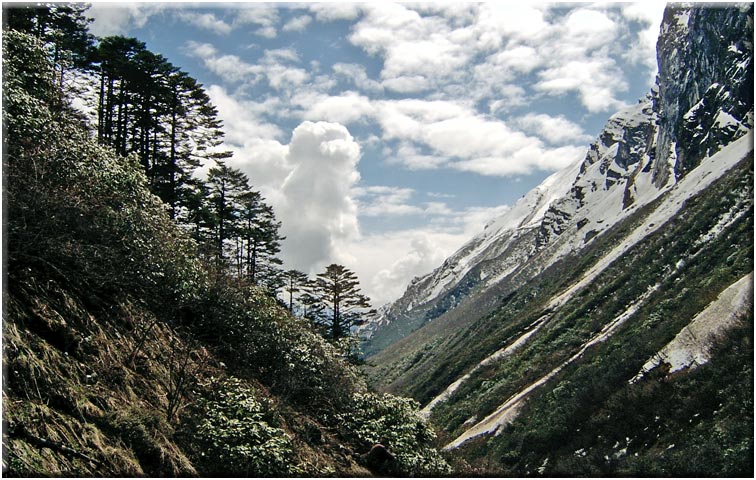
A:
{"x": 557, "y": 316}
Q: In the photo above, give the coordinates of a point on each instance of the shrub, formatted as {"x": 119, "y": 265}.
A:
{"x": 234, "y": 433}
{"x": 395, "y": 423}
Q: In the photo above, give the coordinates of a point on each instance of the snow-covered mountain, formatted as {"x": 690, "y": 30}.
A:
{"x": 604, "y": 325}
{"x": 697, "y": 106}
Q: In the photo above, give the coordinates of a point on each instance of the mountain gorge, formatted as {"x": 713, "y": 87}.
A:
{"x": 531, "y": 347}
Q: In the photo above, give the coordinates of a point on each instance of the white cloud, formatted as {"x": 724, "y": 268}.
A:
{"x": 357, "y": 74}
{"x": 441, "y": 50}
{"x": 267, "y": 32}
{"x": 595, "y": 79}
{"x": 318, "y": 212}
{"x": 243, "y": 119}
{"x": 521, "y": 21}
{"x": 297, "y": 24}
{"x": 553, "y": 129}
{"x": 643, "y": 50}
{"x": 264, "y": 15}
{"x": 419, "y": 52}
{"x": 382, "y": 201}
{"x": 234, "y": 69}
{"x": 116, "y": 18}
{"x": 329, "y": 12}
{"x": 280, "y": 54}
{"x": 346, "y": 108}
{"x": 460, "y": 138}
{"x": 590, "y": 28}
{"x": 231, "y": 67}
{"x": 408, "y": 156}
{"x": 413, "y": 84}
{"x": 206, "y": 21}
{"x": 388, "y": 261}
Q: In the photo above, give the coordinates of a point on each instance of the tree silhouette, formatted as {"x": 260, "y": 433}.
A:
{"x": 338, "y": 289}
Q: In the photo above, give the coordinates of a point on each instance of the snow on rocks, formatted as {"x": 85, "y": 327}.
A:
{"x": 692, "y": 345}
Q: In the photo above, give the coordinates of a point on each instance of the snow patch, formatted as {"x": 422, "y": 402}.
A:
{"x": 692, "y": 345}
{"x": 509, "y": 410}
{"x": 697, "y": 180}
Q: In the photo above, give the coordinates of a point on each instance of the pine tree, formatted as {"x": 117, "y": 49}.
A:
{"x": 149, "y": 107}
{"x": 61, "y": 27}
{"x": 338, "y": 290}
{"x": 226, "y": 186}
{"x": 295, "y": 282}
{"x": 259, "y": 232}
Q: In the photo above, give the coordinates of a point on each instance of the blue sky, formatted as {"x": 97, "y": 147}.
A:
{"x": 386, "y": 135}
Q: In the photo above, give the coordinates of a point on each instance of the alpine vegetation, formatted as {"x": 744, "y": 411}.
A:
{"x": 186, "y": 294}
{"x": 142, "y": 331}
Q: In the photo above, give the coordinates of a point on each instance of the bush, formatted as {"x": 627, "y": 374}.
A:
{"x": 395, "y": 423}
{"x": 234, "y": 433}
{"x": 76, "y": 212}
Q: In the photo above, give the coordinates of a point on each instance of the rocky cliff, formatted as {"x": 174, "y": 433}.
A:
{"x": 702, "y": 101}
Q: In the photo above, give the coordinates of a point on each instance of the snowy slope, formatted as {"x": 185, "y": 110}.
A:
{"x": 691, "y": 347}
{"x": 719, "y": 315}
{"x": 642, "y": 152}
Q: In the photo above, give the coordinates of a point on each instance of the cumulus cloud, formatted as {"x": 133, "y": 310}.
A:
{"x": 318, "y": 212}
{"x": 500, "y": 21}
{"x": 272, "y": 66}
{"x": 349, "y": 107}
{"x": 262, "y": 14}
{"x": 597, "y": 81}
{"x": 444, "y": 92}
{"x": 643, "y": 50}
{"x": 297, "y": 24}
{"x": 380, "y": 201}
{"x": 116, "y": 18}
{"x": 357, "y": 74}
{"x": 207, "y": 21}
{"x": 460, "y": 138}
{"x": 553, "y": 129}
{"x": 442, "y": 49}
{"x": 414, "y": 253}
{"x": 390, "y": 260}
{"x": 330, "y": 12}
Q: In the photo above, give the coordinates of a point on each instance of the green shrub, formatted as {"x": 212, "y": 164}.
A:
{"x": 394, "y": 422}
{"x": 234, "y": 433}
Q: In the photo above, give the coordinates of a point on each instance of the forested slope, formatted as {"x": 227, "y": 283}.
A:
{"x": 129, "y": 352}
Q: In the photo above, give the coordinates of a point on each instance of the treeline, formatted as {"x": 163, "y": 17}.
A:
{"x": 143, "y": 106}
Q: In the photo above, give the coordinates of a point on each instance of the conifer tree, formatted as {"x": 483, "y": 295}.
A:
{"x": 61, "y": 27}
{"x": 295, "y": 282}
{"x": 226, "y": 186}
{"x": 259, "y": 231}
{"x": 338, "y": 290}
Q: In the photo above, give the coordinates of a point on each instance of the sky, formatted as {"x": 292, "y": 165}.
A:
{"x": 387, "y": 135}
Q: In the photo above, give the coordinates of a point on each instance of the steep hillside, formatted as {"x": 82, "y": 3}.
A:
{"x": 126, "y": 355}
{"x": 704, "y": 92}
{"x": 620, "y": 340}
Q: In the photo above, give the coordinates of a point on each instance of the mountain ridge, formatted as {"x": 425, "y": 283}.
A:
{"x": 622, "y": 170}
{"x": 522, "y": 372}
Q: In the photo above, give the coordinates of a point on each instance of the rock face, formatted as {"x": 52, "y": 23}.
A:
{"x": 702, "y": 100}
{"x": 705, "y": 96}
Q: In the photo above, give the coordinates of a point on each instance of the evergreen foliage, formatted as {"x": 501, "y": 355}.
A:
{"x": 342, "y": 305}
{"x": 128, "y": 355}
